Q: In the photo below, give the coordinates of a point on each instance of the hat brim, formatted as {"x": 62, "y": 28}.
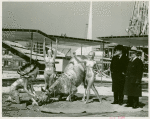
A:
{"x": 134, "y": 50}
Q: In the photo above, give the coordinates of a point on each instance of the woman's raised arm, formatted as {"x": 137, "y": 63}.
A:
{"x": 55, "y": 49}
{"x": 44, "y": 52}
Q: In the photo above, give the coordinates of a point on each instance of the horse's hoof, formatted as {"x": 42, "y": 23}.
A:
{"x": 83, "y": 100}
{"x": 35, "y": 104}
{"x": 100, "y": 101}
{"x": 67, "y": 100}
{"x": 17, "y": 100}
{"x": 9, "y": 100}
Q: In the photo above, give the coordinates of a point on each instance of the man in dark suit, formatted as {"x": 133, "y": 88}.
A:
{"x": 133, "y": 79}
{"x": 118, "y": 68}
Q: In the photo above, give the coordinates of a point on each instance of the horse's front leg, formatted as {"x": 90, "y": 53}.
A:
{"x": 68, "y": 98}
{"x": 72, "y": 92}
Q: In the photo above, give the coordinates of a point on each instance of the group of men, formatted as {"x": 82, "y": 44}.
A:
{"x": 126, "y": 76}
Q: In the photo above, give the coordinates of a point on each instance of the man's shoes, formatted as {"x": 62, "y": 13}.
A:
{"x": 135, "y": 107}
{"x": 115, "y": 102}
{"x": 120, "y": 103}
{"x": 128, "y": 105}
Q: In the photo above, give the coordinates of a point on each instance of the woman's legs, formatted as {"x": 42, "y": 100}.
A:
{"x": 90, "y": 83}
{"x": 14, "y": 93}
{"x": 84, "y": 95}
{"x": 96, "y": 92}
{"x": 49, "y": 78}
{"x": 52, "y": 79}
{"x": 46, "y": 78}
{"x": 85, "y": 88}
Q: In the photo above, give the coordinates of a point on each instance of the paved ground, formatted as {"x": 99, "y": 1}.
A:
{"x": 103, "y": 90}
{"x": 76, "y": 108}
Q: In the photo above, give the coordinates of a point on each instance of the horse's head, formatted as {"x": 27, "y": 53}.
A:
{"x": 44, "y": 97}
{"x": 73, "y": 63}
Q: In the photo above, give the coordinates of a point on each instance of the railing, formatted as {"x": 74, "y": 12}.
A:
{"x": 106, "y": 66}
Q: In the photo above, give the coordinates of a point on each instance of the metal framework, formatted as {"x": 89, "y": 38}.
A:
{"x": 138, "y": 24}
{"x": 37, "y": 36}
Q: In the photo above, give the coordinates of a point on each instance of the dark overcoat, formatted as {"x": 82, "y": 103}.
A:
{"x": 118, "y": 70}
{"x": 133, "y": 78}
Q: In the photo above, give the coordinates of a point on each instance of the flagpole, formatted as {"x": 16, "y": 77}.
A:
{"x": 89, "y": 33}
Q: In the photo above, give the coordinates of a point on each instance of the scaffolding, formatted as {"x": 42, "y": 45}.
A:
{"x": 138, "y": 24}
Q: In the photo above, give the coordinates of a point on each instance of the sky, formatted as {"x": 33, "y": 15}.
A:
{"x": 70, "y": 18}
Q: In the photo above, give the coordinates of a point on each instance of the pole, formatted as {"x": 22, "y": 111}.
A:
{"x": 108, "y": 52}
{"x": 51, "y": 45}
{"x": 112, "y": 51}
{"x": 31, "y": 46}
{"x": 102, "y": 60}
{"x": 81, "y": 49}
{"x": 86, "y": 30}
{"x": 36, "y": 50}
{"x": 85, "y": 35}
{"x": 142, "y": 57}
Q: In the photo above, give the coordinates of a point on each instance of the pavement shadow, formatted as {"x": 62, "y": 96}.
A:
{"x": 79, "y": 98}
{"x": 27, "y": 102}
{"x": 141, "y": 105}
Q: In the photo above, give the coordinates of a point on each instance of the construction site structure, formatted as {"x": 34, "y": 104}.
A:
{"x": 138, "y": 24}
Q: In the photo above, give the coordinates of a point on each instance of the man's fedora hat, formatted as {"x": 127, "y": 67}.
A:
{"x": 119, "y": 47}
{"x": 134, "y": 48}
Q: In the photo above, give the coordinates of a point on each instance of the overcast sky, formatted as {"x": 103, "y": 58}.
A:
{"x": 56, "y": 18}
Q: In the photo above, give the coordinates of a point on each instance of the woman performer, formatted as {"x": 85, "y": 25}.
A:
{"x": 28, "y": 74}
{"x": 49, "y": 73}
{"x": 90, "y": 76}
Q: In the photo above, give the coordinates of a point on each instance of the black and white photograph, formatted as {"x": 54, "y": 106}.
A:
{"x": 75, "y": 59}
